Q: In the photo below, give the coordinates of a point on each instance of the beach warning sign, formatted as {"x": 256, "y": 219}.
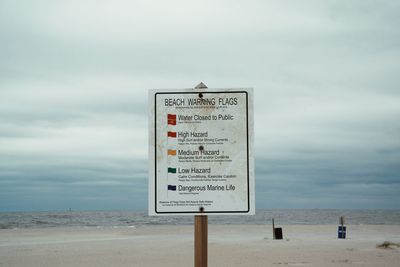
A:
{"x": 201, "y": 152}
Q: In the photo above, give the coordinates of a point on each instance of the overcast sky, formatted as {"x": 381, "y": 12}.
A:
{"x": 74, "y": 77}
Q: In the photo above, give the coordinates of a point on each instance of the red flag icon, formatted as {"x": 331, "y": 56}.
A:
{"x": 172, "y": 134}
{"x": 172, "y": 119}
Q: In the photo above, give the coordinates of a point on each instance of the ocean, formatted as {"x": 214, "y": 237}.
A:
{"x": 14, "y": 220}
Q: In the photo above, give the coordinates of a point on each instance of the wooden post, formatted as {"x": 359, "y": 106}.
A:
{"x": 200, "y": 240}
{"x": 201, "y": 228}
{"x": 273, "y": 228}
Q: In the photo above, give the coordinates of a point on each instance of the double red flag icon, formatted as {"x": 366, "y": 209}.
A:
{"x": 172, "y": 119}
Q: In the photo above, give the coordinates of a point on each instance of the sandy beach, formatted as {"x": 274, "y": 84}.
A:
{"x": 233, "y": 245}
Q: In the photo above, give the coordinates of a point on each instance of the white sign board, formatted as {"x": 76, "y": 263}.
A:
{"x": 201, "y": 152}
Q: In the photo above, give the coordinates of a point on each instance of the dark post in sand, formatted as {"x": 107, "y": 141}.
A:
{"x": 273, "y": 228}
{"x": 342, "y": 229}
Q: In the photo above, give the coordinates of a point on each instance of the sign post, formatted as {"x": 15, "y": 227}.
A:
{"x": 201, "y": 229}
{"x": 200, "y": 240}
{"x": 201, "y": 156}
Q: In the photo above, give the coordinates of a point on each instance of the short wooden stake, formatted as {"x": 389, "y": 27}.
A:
{"x": 273, "y": 228}
{"x": 200, "y": 240}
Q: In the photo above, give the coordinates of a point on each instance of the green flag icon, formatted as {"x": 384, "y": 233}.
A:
{"x": 171, "y": 170}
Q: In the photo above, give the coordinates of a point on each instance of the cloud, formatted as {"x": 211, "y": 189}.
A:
{"x": 73, "y": 96}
